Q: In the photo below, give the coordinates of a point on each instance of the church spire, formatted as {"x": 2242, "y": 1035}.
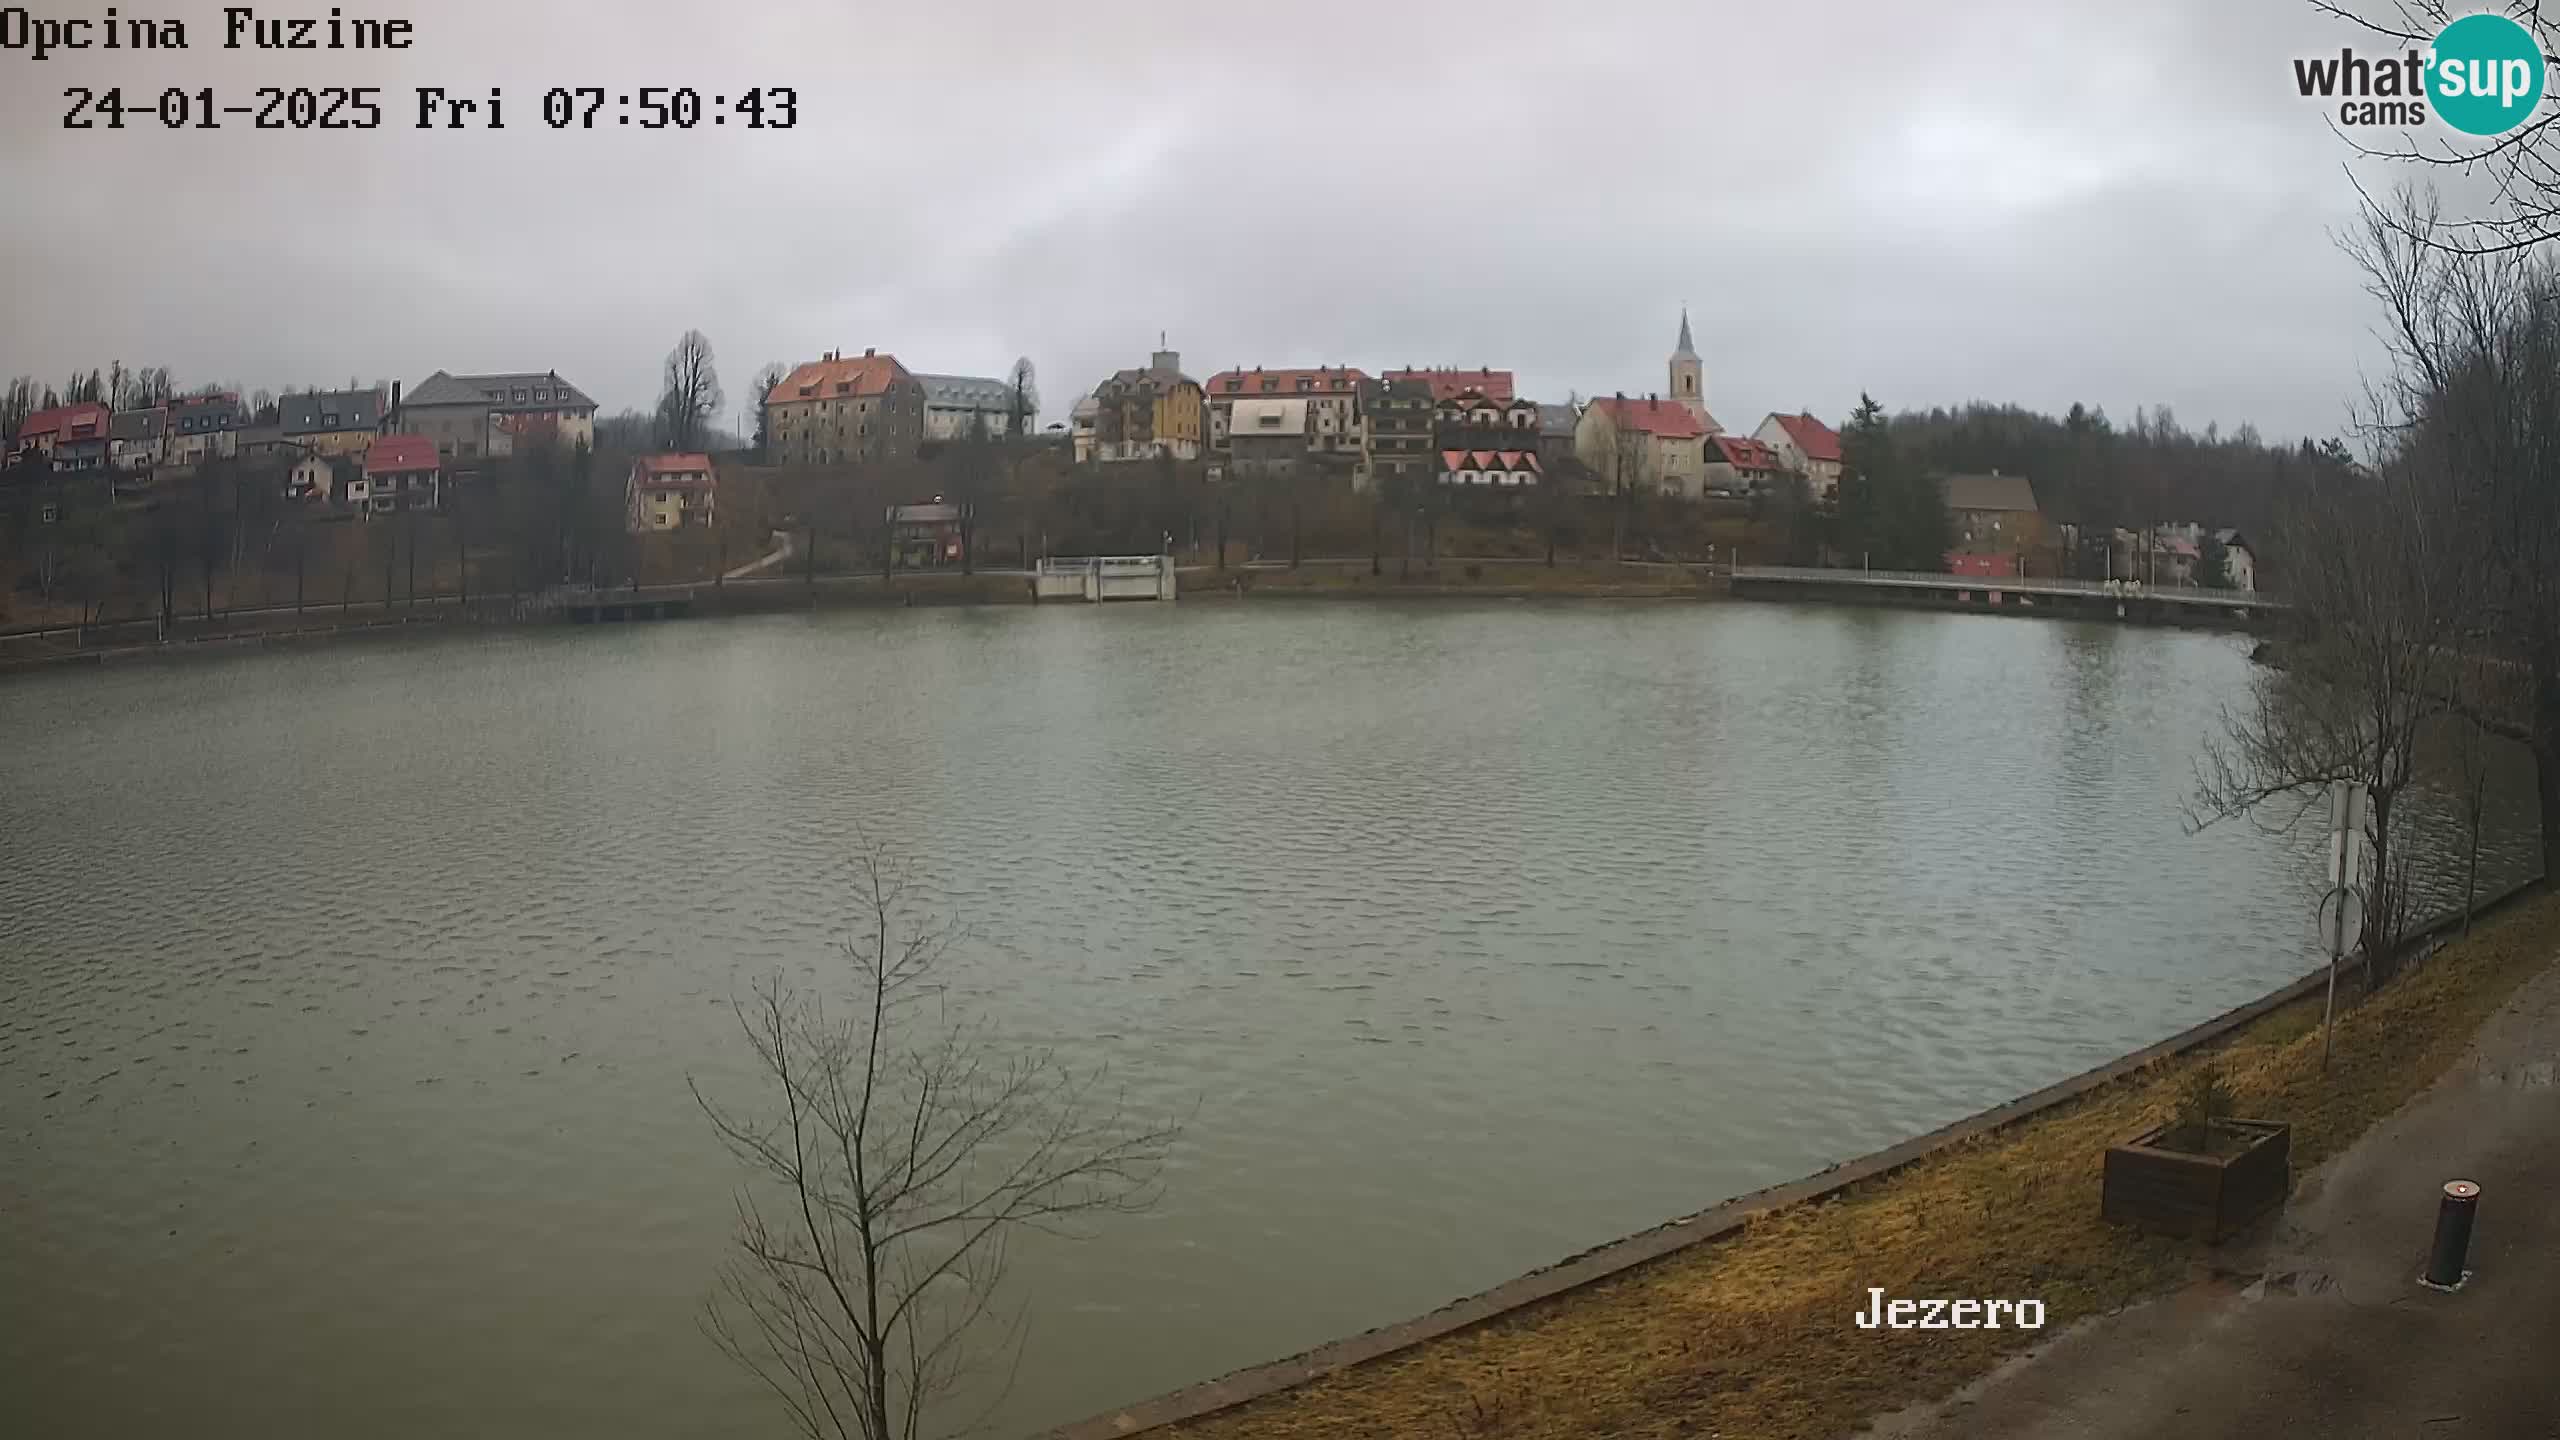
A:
{"x": 1689, "y": 375}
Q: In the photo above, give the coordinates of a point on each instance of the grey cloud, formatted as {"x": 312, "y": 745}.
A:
{"x": 2012, "y": 200}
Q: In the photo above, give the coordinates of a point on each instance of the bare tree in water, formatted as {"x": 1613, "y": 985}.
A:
{"x": 895, "y": 1155}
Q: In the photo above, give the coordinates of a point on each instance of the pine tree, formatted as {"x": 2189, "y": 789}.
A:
{"x": 2213, "y": 568}
{"x": 1865, "y": 457}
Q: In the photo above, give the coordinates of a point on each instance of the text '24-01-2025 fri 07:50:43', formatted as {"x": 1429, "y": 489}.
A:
{"x": 429, "y": 107}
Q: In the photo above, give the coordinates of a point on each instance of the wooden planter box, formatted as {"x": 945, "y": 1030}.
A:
{"x": 2196, "y": 1196}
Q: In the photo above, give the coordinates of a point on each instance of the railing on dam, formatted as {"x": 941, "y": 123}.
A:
{"x": 2012, "y": 585}
{"x": 1105, "y": 577}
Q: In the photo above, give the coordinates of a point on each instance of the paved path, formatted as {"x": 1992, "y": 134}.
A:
{"x": 2327, "y": 1333}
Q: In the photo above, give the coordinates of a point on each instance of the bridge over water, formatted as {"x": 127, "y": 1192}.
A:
{"x": 2070, "y": 599}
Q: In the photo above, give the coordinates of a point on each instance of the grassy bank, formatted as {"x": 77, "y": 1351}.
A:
{"x": 1752, "y": 1336}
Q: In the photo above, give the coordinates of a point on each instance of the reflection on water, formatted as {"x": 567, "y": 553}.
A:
{"x": 351, "y": 995}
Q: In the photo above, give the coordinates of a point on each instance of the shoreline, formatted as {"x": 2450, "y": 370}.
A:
{"x": 34, "y": 650}
{"x": 1354, "y": 1385}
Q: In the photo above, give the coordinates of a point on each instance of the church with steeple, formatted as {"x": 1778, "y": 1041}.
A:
{"x": 1689, "y": 378}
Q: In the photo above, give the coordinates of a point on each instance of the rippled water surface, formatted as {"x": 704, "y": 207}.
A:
{"x": 348, "y": 998}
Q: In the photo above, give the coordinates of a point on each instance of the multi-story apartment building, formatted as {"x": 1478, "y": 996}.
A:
{"x": 470, "y": 417}
{"x": 332, "y": 422}
{"x": 1401, "y": 440}
{"x": 956, "y": 405}
{"x": 1268, "y": 439}
{"x": 840, "y": 409}
{"x": 1140, "y": 414}
{"x": 1486, "y": 440}
{"x": 1334, "y": 427}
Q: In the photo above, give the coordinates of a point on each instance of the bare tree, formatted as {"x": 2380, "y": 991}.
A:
{"x": 2374, "y": 575}
{"x": 2476, "y": 341}
{"x": 691, "y": 396}
{"x": 896, "y": 1156}
{"x": 1022, "y": 403}
{"x": 759, "y": 420}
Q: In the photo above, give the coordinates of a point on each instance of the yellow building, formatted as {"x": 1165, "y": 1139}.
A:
{"x": 332, "y": 422}
{"x": 1141, "y": 414}
{"x": 669, "y": 492}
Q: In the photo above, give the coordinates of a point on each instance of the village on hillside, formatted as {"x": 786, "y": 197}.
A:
{"x": 117, "y": 483}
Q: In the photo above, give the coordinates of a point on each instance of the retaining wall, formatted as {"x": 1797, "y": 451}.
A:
{"x": 1210, "y": 1396}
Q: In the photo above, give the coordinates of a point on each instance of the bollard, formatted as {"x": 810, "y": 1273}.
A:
{"x": 2453, "y": 1235}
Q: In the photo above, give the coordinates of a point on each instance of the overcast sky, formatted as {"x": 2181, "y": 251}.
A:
{"x": 2028, "y": 200}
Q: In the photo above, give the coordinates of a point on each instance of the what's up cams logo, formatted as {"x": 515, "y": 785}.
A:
{"x": 2482, "y": 76}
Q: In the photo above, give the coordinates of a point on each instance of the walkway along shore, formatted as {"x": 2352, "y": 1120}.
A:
{"x": 1737, "y": 1320}
{"x": 2318, "y": 1325}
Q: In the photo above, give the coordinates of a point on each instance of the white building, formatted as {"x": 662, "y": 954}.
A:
{"x": 1806, "y": 446}
{"x": 954, "y": 405}
{"x": 2239, "y": 562}
{"x": 471, "y": 416}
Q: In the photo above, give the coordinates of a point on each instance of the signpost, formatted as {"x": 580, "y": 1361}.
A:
{"x": 2341, "y": 914}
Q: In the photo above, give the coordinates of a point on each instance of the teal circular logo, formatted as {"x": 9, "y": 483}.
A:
{"x": 2484, "y": 76}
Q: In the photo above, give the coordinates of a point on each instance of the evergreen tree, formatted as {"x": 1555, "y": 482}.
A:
{"x": 1920, "y": 532}
{"x": 1865, "y": 450}
{"x": 2213, "y": 567}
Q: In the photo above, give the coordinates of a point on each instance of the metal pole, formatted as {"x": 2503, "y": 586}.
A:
{"x": 2329, "y": 1008}
{"x": 2454, "y": 1214}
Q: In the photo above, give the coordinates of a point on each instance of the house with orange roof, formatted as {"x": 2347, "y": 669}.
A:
{"x": 1446, "y": 383}
{"x": 843, "y": 409}
{"x": 1502, "y": 469}
{"x": 401, "y": 472}
{"x": 66, "y": 437}
{"x": 1739, "y": 465}
{"x": 1648, "y": 444}
{"x": 668, "y": 492}
{"x": 1808, "y": 447}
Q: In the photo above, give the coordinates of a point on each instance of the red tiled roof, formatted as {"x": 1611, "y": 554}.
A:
{"x": 1667, "y": 419}
{"x": 1488, "y": 460}
{"x": 675, "y": 472}
{"x": 1322, "y": 380}
{"x": 394, "y": 453}
{"x": 1743, "y": 453}
{"x": 1496, "y": 384}
{"x": 836, "y": 376}
{"x": 65, "y": 417}
{"x": 1817, "y": 440}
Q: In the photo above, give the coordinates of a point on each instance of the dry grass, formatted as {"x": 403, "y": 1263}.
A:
{"x": 1753, "y": 1336}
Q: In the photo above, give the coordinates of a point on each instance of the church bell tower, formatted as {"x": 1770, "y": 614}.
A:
{"x": 1688, "y": 375}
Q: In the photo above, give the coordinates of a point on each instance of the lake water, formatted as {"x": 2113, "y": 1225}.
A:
{"x": 348, "y": 997}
